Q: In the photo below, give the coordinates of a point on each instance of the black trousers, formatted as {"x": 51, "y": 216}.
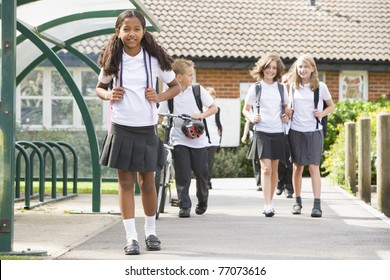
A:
{"x": 211, "y": 150}
{"x": 285, "y": 170}
{"x": 257, "y": 171}
{"x": 185, "y": 160}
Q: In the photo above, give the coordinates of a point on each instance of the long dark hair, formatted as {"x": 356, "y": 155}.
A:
{"x": 110, "y": 57}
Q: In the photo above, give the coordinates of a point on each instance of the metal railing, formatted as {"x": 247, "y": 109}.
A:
{"x": 27, "y": 150}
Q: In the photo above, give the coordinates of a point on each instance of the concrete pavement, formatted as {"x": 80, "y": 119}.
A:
{"x": 232, "y": 228}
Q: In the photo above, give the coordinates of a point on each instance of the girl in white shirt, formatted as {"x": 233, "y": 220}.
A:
{"x": 269, "y": 118}
{"x": 305, "y": 136}
{"x": 133, "y": 60}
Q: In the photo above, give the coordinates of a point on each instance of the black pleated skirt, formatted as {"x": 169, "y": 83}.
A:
{"x": 132, "y": 149}
{"x": 268, "y": 145}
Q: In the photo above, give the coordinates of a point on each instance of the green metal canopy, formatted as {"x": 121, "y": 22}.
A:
{"x": 35, "y": 30}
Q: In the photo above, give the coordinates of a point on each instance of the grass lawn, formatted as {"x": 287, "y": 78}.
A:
{"x": 82, "y": 187}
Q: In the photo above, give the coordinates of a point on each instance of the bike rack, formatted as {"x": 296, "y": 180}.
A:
{"x": 47, "y": 147}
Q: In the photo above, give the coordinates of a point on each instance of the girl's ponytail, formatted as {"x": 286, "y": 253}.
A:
{"x": 154, "y": 49}
{"x": 110, "y": 57}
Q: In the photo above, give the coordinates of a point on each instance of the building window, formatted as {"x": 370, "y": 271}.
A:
{"x": 353, "y": 85}
{"x": 45, "y": 101}
{"x": 31, "y": 101}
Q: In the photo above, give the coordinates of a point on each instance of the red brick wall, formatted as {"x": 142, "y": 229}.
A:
{"x": 378, "y": 85}
{"x": 227, "y": 82}
{"x": 332, "y": 82}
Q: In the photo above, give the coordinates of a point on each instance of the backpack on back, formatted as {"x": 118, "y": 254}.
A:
{"x": 258, "y": 95}
{"x": 324, "y": 120}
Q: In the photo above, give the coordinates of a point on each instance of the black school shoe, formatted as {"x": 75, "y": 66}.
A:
{"x": 153, "y": 243}
{"x": 185, "y": 212}
{"x": 316, "y": 213}
{"x": 132, "y": 249}
{"x": 279, "y": 190}
{"x": 200, "y": 209}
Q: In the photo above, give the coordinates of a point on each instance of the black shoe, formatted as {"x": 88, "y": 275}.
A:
{"x": 297, "y": 209}
{"x": 209, "y": 186}
{"x": 200, "y": 209}
{"x": 316, "y": 213}
{"x": 259, "y": 188}
{"x": 184, "y": 212}
{"x": 133, "y": 248}
{"x": 153, "y": 243}
{"x": 279, "y": 191}
{"x": 288, "y": 193}
{"x": 269, "y": 213}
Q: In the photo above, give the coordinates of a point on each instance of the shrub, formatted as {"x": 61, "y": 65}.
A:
{"x": 334, "y": 164}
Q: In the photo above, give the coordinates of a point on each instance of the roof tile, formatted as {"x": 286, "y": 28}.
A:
{"x": 333, "y": 29}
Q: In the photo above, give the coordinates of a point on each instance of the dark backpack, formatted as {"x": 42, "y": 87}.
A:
{"x": 324, "y": 120}
{"x": 198, "y": 100}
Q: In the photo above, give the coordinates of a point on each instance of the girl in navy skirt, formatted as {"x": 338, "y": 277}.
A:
{"x": 270, "y": 114}
{"x": 130, "y": 65}
{"x": 305, "y": 136}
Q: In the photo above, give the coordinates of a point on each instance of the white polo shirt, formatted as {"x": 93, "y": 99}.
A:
{"x": 303, "y": 104}
{"x": 185, "y": 103}
{"x": 270, "y": 107}
{"x": 134, "y": 109}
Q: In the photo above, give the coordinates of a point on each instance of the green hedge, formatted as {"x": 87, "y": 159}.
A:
{"x": 334, "y": 155}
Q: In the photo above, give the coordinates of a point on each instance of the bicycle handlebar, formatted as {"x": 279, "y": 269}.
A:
{"x": 181, "y": 116}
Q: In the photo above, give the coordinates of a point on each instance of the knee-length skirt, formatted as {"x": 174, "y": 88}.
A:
{"x": 306, "y": 147}
{"x": 132, "y": 149}
{"x": 268, "y": 145}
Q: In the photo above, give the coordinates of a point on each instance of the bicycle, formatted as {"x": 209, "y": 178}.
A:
{"x": 165, "y": 176}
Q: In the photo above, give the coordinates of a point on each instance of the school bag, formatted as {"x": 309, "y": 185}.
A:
{"x": 198, "y": 100}
{"x": 258, "y": 96}
{"x": 324, "y": 120}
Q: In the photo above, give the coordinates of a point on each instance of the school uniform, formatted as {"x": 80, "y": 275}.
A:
{"x": 306, "y": 140}
{"x": 132, "y": 141}
{"x": 189, "y": 154}
{"x": 269, "y": 132}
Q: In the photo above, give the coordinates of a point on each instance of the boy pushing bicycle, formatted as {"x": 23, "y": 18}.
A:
{"x": 189, "y": 139}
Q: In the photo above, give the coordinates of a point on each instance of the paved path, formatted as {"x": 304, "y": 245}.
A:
{"x": 232, "y": 228}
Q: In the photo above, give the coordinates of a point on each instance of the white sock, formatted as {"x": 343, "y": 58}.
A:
{"x": 150, "y": 225}
{"x": 131, "y": 232}
{"x": 268, "y": 207}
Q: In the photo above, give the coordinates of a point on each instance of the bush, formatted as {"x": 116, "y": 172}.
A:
{"x": 334, "y": 164}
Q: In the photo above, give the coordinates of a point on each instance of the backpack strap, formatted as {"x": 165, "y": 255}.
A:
{"x": 218, "y": 119}
{"x": 316, "y": 100}
{"x": 170, "y": 105}
{"x": 149, "y": 79}
{"x": 198, "y": 100}
{"x": 218, "y": 122}
{"x": 258, "y": 95}
{"x": 196, "y": 91}
{"x": 281, "y": 92}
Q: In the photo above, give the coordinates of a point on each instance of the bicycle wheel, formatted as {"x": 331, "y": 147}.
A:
{"x": 161, "y": 191}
